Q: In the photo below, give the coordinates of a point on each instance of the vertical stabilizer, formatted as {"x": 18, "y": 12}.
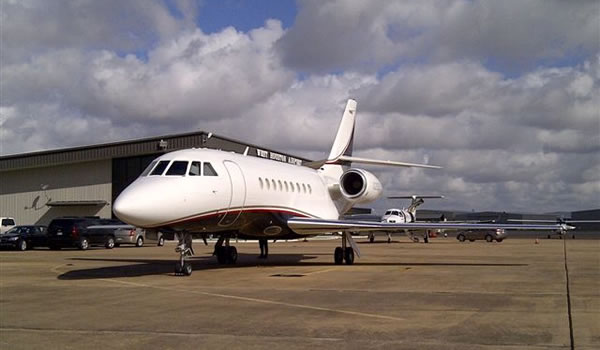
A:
{"x": 342, "y": 146}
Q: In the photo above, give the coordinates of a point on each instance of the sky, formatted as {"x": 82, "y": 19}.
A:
{"x": 504, "y": 95}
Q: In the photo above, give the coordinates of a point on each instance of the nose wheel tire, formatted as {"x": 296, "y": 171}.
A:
{"x": 461, "y": 238}
{"x": 161, "y": 241}
{"x": 183, "y": 270}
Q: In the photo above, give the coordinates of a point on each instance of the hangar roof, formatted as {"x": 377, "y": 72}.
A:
{"x": 136, "y": 147}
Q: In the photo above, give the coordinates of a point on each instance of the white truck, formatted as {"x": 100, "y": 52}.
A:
{"x": 6, "y": 223}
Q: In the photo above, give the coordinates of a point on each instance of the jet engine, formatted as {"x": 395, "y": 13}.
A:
{"x": 360, "y": 186}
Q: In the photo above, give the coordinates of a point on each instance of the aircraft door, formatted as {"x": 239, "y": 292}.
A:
{"x": 237, "y": 197}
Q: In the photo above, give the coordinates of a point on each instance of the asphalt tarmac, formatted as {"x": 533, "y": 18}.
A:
{"x": 442, "y": 295}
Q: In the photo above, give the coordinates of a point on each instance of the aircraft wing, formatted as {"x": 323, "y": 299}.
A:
{"x": 310, "y": 226}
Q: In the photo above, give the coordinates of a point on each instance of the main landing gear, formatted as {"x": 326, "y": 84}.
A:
{"x": 226, "y": 254}
{"x": 345, "y": 252}
{"x": 184, "y": 248}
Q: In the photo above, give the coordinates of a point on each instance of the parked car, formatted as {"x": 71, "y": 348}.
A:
{"x": 81, "y": 232}
{"x": 6, "y": 223}
{"x": 489, "y": 235}
{"x": 129, "y": 235}
{"x": 25, "y": 237}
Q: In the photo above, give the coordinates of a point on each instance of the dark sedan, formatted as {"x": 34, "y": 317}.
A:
{"x": 25, "y": 237}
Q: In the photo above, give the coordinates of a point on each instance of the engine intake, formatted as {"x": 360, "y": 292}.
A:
{"x": 360, "y": 186}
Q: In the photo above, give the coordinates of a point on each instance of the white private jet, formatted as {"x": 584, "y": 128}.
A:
{"x": 204, "y": 191}
{"x": 405, "y": 215}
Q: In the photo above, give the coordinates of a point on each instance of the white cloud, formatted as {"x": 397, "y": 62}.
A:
{"x": 374, "y": 34}
{"x": 528, "y": 142}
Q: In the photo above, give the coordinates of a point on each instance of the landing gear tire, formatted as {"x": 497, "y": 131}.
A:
{"x": 178, "y": 268}
{"x": 221, "y": 255}
{"x": 349, "y": 256}
{"x": 338, "y": 255}
{"x": 461, "y": 237}
{"x": 231, "y": 255}
{"x": 161, "y": 241}
{"x": 489, "y": 239}
{"x": 187, "y": 269}
{"x": 389, "y": 240}
{"x": 371, "y": 238}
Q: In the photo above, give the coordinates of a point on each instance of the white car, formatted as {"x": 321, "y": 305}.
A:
{"x": 6, "y": 223}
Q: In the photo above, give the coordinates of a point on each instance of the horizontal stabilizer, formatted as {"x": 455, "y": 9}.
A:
{"x": 383, "y": 162}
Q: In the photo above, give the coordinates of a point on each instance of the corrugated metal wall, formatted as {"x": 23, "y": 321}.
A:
{"x": 22, "y": 195}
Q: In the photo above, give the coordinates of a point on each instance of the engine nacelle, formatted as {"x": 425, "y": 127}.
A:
{"x": 360, "y": 186}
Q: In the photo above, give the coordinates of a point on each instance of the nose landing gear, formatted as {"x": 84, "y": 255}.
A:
{"x": 184, "y": 248}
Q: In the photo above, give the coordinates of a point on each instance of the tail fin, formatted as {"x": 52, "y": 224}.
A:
{"x": 341, "y": 151}
{"x": 342, "y": 146}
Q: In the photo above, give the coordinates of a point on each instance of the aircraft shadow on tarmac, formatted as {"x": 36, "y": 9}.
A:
{"x": 147, "y": 267}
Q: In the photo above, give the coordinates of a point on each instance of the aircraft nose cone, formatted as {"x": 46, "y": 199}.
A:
{"x": 133, "y": 207}
{"x": 124, "y": 209}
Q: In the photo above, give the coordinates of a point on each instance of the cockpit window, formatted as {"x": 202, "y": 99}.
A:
{"x": 209, "y": 170}
{"x": 195, "y": 169}
{"x": 395, "y": 213}
{"x": 388, "y": 212}
{"x": 148, "y": 168}
{"x": 177, "y": 168}
{"x": 160, "y": 168}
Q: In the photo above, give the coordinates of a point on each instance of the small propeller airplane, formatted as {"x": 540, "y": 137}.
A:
{"x": 196, "y": 192}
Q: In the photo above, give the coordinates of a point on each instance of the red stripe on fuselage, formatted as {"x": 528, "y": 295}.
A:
{"x": 204, "y": 216}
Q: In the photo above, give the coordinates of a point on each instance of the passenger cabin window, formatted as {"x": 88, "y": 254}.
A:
{"x": 195, "y": 169}
{"x": 209, "y": 170}
{"x": 160, "y": 168}
{"x": 148, "y": 168}
{"x": 177, "y": 168}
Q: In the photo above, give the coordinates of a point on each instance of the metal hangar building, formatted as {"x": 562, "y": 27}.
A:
{"x": 84, "y": 181}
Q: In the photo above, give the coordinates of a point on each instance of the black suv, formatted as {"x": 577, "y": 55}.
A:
{"x": 76, "y": 232}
